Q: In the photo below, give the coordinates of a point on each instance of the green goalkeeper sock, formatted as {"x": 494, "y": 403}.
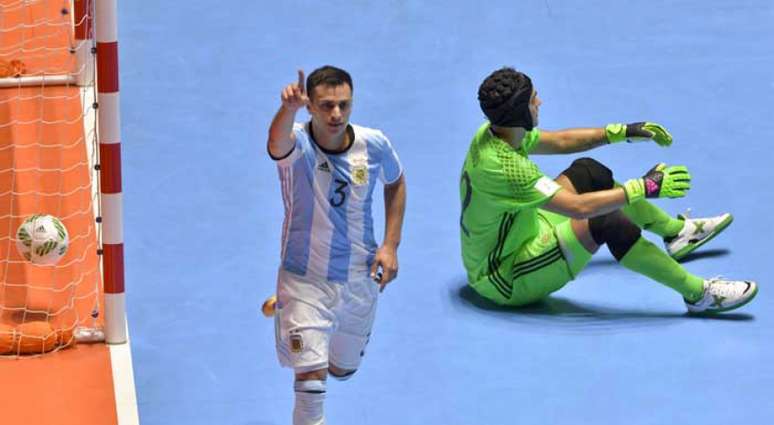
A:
{"x": 647, "y": 259}
{"x": 652, "y": 218}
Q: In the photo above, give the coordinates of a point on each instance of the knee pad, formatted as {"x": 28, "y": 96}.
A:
{"x": 589, "y": 175}
{"x": 344, "y": 376}
{"x": 313, "y": 386}
{"x": 616, "y": 231}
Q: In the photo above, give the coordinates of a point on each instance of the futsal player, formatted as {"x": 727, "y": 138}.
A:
{"x": 331, "y": 266}
{"x": 525, "y": 235}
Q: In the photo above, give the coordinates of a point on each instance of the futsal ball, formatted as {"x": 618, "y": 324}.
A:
{"x": 42, "y": 239}
{"x": 269, "y": 306}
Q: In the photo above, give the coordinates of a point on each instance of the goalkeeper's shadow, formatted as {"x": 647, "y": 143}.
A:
{"x": 694, "y": 256}
{"x": 710, "y": 253}
{"x": 568, "y": 315}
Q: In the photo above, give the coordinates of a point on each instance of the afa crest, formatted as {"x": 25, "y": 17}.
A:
{"x": 360, "y": 175}
{"x": 296, "y": 343}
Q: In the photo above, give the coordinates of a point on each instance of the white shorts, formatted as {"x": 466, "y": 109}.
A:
{"x": 318, "y": 323}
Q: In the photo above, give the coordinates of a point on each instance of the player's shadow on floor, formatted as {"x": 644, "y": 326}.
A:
{"x": 710, "y": 253}
{"x": 564, "y": 315}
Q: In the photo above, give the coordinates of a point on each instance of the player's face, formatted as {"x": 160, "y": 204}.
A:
{"x": 534, "y": 107}
{"x": 330, "y": 107}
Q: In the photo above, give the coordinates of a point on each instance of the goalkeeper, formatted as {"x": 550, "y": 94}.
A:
{"x": 525, "y": 235}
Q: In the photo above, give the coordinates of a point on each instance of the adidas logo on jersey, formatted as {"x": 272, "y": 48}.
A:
{"x": 324, "y": 167}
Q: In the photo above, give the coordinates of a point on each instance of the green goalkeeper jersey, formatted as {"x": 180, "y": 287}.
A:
{"x": 500, "y": 190}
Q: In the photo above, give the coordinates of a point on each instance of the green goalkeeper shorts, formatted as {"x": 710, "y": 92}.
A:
{"x": 545, "y": 264}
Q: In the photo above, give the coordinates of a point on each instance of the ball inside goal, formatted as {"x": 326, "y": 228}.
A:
{"x": 42, "y": 239}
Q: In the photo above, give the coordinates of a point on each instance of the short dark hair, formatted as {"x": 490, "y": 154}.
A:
{"x": 504, "y": 98}
{"x": 329, "y": 76}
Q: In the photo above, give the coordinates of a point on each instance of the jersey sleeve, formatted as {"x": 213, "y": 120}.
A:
{"x": 531, "y": 140}
{"x": 295, "y": 152}
{"x": 390, "y": 167}
{"x": 517, "y": 182}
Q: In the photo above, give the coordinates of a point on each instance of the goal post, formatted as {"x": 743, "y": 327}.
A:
{"x": 110, "y": 171}
{"x": 60, "y": 156}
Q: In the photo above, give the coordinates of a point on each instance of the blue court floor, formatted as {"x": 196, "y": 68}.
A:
{"x": 200, "y": 82}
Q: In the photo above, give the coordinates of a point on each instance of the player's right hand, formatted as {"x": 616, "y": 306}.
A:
{"x": 638, "y": 132}
{"x": 659, "y": 182}
{"x": 294, "y": 95}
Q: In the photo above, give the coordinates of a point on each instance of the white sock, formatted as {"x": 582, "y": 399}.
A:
{"x": 308, "y": 409}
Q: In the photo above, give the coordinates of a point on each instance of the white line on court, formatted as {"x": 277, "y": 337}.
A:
{"x": 123, "y": 382}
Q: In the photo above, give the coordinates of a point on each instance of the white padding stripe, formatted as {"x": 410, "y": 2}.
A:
{"x": 109, "y": 118}
{"x": 112, "y": 218}
{"x": 115, "y": 318}
{"x": 106, "y": 22}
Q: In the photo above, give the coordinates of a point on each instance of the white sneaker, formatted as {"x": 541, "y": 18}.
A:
{"x": 695, "y": 233}
{"x": 723, "y": 295}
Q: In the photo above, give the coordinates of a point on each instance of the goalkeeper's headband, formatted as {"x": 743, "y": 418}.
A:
{"x": 514, "y": 112}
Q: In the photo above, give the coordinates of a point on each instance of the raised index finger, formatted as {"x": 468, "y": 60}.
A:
{"x": 301, "y": 80}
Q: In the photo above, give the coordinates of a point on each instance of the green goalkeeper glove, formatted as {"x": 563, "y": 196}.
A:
{"x": 638, "y": 132}
{"x": 660, "y": 182}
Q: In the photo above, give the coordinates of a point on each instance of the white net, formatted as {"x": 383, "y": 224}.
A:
{"x": 47, "y": 166}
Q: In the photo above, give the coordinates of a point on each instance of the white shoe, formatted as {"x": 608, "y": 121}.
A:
{"x": 695, "y": 233}
{"x": 723, "y": 295}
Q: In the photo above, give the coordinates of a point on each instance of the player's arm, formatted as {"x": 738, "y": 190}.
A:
{"x": 587, "y": 205}
{"x": 281, "y": 137}
{"x": 570, "y": 140}
{"x": 583, "y": 139}
{"x": 387, "y": 255}
{"x": 660, "y": 182}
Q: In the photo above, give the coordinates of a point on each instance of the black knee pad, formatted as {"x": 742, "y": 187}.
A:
{"x": 589, "y": 175}
{"x": 615, "y": 230}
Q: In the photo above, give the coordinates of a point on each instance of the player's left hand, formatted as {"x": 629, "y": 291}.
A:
{"x": 659, "y": 182}
{"x": 385, "y": 266}
{"x": 638, "y": 132}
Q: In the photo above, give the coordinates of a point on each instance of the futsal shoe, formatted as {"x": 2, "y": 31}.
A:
{"x": 696, "y": 232}
{"x": 723, "y": 295}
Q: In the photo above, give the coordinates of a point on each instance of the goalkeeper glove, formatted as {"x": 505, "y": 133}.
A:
{"x": 660, "y": 182}
{"x": 638, "y": 132}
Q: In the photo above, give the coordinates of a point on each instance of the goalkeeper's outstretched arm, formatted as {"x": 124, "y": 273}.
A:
{"x": 570, "y": 140}
{"x": 583, "y": 139}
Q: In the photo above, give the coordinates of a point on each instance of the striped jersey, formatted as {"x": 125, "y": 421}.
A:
{"x": 500, "y": 191}
{"x": 328, "y": 231}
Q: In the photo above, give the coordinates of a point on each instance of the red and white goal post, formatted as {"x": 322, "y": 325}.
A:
{"x": 60, "y": 155}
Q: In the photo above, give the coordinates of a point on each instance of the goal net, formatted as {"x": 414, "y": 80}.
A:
{"x": 50, "y": 164}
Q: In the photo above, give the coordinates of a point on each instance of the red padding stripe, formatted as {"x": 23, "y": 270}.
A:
{"x": 113, "y": 268}
{"x": 110, "y": 167}
{"x": 82, "y": 19}
{"x": 107, "y": 67}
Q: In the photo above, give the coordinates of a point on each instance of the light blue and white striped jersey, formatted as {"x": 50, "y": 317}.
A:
{"x": 328, "y": 231}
